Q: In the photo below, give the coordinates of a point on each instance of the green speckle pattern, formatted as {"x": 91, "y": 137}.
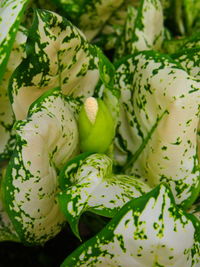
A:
{"x": 95, "y": 188}
{"x": 46, "y": 140}
{"x": 114, "y": 26}
{"x": 190, "y": 61}
{"x": 57, "y": 55}
{"x": 89, "y": 16}
{"x": 7, "y": 231}
{"x": 143, "y": 29}
{"x": 147, "y": 231}
{"x": 159, "y": 108}
{"x": 7, "y": 138}
{"x": 11, "y": 12}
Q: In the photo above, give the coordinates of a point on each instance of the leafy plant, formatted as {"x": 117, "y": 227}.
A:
{"x": 119, "y": 80}
{"x": 136, "y": 237}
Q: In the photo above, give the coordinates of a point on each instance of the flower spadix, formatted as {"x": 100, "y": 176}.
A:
{"x": 96, "y": 126}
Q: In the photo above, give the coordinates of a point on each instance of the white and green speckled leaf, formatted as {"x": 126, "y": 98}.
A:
{"x": 124, "y": 46}
{"x": 190, "y": 61}
{"x": 159, "y": 116}
{"x": 7, "y": 139}
{"x": 148, "y": 231}
{"x": 179, "y": 45}
{"x": 143, "y": 29}
{"x": 57, "y": 55}
{"x": 45, "y": 141}
{"x": 113, "y": 28}
{"x": 7, "y": 231}
{"x": 89, "y": 16}
{"x": 11, "y": 12}
{"x": 89, "y": 184}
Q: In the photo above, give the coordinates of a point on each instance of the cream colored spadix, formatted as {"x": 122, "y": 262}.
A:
{"x": 96, "y": 126}
{"x": 91, "y": 108}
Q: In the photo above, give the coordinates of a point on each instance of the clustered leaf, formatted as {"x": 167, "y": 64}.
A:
{"x": 7, "y": 140}
{"x": 158, "y": 123}
{"x": 137, "y": 237}
{"x": 11, "y": 13}
{"x": 91, "y": 185}
{"x": 142, "y": 135}
{"x": 45, "y": 141}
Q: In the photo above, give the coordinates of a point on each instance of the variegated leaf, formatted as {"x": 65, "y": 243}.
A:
{"x": 192, "y": 42}
{"x": 143, "y": 30}
{"x": 57, "y": 55}
{"x": 45, "y": 141}
{"x": 7, "y": 231}
{"x": 147, "y": 231}
{"x": 95, "y": 188}
{"x": 89, "y": 16}
{"x": 41, "y": 4}
{"x": 11, "y": 12}
{"x": 7, "y": 139}
{"x": 125, "y": 40}
{"x": 190, "y": 61}
{"x": 113, "y": 28}
{"x": 159, "y": 116}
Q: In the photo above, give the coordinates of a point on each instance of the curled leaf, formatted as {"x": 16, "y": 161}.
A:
{"x": 143, "y": 29}
{"x": 91, "y": 185}
{"x": 89, "y": 16}
{"x": 148, "y": 231}
{"x": 45, "y": 141}
{"x": 57, "y": 55}
{"x": 7, "y": 136}
{"x": 11, "y": 12}
{"x": 159, "y": 116}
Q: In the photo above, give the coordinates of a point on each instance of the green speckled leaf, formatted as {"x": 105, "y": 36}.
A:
{"x": 143, "y": 29}
{"x": 192, "y": 42}
{"x": 89, "y": 16}
{"x": 147, "y": 231}
{"x": 124, "y": 45}
{"x": 113, "y": 28}
{"x": 11, "y": 12}
{"x": 159, "y": 116}
{"x": 95, "y": 188}
{"x": 7, "y": 231}
{"x": 190, "y": 61}
{"x": 45, "y": 141}
{"x": 7, "y": 139}
{"x": 57, "y": 55}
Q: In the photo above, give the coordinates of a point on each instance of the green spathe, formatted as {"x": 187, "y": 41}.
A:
{"x": 96, "y": 136}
